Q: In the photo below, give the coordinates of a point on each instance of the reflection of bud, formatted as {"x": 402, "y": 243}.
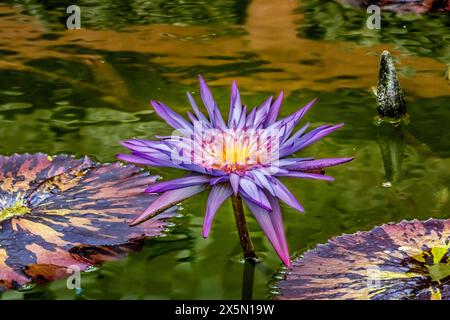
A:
{"x": 74, "y": 20}
{"x": 392, "y": 143}
{"x": 74, "y": 281}
{"x": 374, "y": 21}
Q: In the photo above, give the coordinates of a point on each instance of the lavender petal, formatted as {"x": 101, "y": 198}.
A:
{"x": 167, "y": 199}
{"x": 219, "y": 193}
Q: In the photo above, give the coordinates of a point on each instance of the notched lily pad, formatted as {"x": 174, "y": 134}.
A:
{"x": 408, "y": 260}
{"x": 59, "y": 212}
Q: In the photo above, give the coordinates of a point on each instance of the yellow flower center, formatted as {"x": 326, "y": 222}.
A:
{"x": 236, "y": 150}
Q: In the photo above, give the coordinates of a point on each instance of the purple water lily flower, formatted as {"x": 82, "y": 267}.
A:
{"x": 244, "y": 157}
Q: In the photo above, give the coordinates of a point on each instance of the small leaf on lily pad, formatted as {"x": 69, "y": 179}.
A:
{"x": 407, "y": 260}
{"x": 57, "y": 212}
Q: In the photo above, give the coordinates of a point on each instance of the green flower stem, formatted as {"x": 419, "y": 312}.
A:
{"x": 241, "y": 224}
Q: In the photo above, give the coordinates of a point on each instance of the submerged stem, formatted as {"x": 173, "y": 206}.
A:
{"x": 248, "y": 279}
{"x": 241, "y": 224}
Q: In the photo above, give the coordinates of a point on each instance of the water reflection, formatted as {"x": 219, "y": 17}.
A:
{"x": 391, "y": 139}
{"x": 265, "y": 53}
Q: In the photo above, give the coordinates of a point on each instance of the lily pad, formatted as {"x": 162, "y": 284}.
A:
{"x": 408, "y": 260}
{"x": 402, "y": 6}
{"x": 59, "y": 212}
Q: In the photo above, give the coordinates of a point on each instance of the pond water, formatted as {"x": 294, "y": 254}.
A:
{"x": 82, "y": 91}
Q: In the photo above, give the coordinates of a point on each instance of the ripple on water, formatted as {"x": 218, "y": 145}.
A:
{"x": 15, "y": 106}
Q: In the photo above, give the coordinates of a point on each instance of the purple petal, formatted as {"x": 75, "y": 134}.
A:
{"x": 288, "y": 124}
{"x": 242, "y": 119}
{"x": 288, "y": 149}
{"x": 316, "y": 164}
{"x": 217, "y": 180}
{"x": 235, "y": 106}
{"x": 219, "y": 193}
{"x": 210, "y": 104}
{"x": 274, "y": 110}
{"x": 261, "y": 112}
{"x": 307, "y": 139}
{"x": 288, "y": 162}
{"x": 172, "y": 118}
{"x": 202, "y": 170}
{"x": 250, "y": 122}
{"x": 277, "y": 221}
{"x": 261, "y": 178}
{"x": 200, "y": 116}
{"x": 300, "y": 113}
{"x": 155, "y": 158}
{"x": 318, "y": 135}
{"x": 234, "y": 181}
{"x": 167, "y": 199}
{"x": 306, "y": 175}
{"x": 134, "y": 159}
{"x": 251, "y": 191}
{"x": 144, "y": 145}
{"x": 218, "y": 120}
{"x": 177, "y": 183}
{"x": 151, "y": 158}
{"x": 285, "y": 195}
{"x": 272, "y": 225}
{"x": 192, "y": 117}
{"x": 295, "y": 136}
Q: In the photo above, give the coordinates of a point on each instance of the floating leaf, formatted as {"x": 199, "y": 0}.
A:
{"x": 401, "y": 6}
{"x": 408, "y": 260}
{"x": 59, "y": 212}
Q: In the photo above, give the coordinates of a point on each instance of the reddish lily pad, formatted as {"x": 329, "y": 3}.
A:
{"x": 408, "y": 260}
{"x": 403, "y": 6}
{"x": 58, "y": 212}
